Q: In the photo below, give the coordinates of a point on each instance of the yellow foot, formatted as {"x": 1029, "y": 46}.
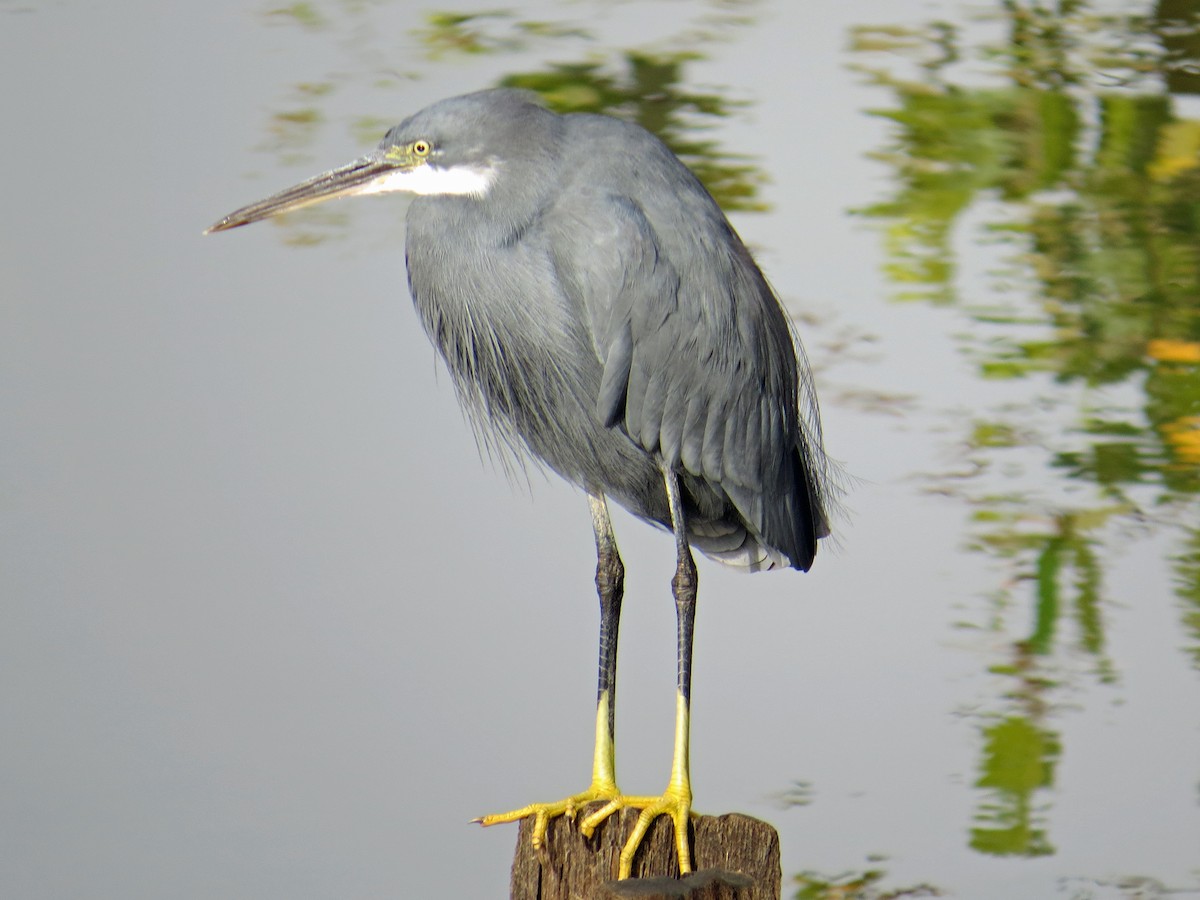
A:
{"x": 676, "y": 803}
{"x": 544, "y": 812}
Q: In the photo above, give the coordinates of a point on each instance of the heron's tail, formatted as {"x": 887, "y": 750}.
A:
{"x": 731, "y": 544}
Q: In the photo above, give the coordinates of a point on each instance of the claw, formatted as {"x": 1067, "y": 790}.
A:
{"x": 543, "y": 812}
{"x": 676, "y": 802}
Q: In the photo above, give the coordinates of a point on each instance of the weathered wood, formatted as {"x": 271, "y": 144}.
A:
{"x": 709, "y": 884}
{"x": 736, "y": 858}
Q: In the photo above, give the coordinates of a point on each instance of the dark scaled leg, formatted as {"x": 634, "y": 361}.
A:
{"x": 676, "y": 801}
{"x": 610, "y": 586}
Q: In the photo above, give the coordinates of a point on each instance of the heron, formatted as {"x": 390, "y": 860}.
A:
{"x": 598, "y": 314}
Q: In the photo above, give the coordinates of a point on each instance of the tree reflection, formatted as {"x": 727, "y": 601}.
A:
{"x": 645, "y": 84}
{"x": 864, "y": 885}
{"x": 651, "y": 89}
{"x": 1085, "y": 175}
{"x": 1087, "y": 178}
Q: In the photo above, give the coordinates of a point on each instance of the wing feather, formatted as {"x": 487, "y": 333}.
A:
{"x": 706, "y": 380}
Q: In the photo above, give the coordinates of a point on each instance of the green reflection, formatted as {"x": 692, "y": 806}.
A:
{"x": 1018, "y": 762}
{"x": 647, "y": 84}
{"x": 1108, "y": 236}
{"x": 1067, "y": 548}
{"x": 651, "y": 89}
{"x": 303, "y": 14}
{"x": 864, "y": 885}
{"x": 491, "y": 31}
{"x": 1187, "y": 581}
{"x": 1073, "y": 172}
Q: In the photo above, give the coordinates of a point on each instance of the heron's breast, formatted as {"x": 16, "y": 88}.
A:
{"x": 514, "y": 347}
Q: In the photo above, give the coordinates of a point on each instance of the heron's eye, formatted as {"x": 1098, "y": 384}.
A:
{"x": 421, "y": 148}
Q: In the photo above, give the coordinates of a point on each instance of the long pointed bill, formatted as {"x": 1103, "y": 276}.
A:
{"x": 366, "y": 175}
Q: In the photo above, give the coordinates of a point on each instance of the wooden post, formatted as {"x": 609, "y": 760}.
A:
{"x": 736, "y": 858}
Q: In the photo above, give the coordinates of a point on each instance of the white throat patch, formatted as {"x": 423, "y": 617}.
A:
{"x": 428, "y": 180}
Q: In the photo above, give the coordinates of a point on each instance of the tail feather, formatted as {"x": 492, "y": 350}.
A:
{"x": 732, "y": 544}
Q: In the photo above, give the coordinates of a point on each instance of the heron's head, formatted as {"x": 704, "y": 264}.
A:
{"x": 457, "y": 147}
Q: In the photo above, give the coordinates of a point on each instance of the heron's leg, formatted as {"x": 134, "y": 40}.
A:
{"x": 676, "y": 801}
{"x": 610, "y": 586}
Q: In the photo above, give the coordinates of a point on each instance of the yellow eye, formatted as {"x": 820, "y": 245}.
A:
{"x": 421, "y": 148}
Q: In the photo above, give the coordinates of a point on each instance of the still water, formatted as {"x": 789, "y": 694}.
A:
{"x": 270, "y": 629}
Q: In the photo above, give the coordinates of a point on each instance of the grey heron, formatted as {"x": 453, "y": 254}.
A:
{"x": 598, "y": 313}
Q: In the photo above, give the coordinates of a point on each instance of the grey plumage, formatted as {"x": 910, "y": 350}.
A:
{"x": 630, "y": 323}
{"x": 598, "y": 314}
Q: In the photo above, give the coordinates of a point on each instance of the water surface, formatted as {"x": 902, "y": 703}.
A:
{"x": 272, "y": 630}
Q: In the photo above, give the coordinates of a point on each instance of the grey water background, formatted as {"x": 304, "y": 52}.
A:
{"x": 269, "y": 628}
